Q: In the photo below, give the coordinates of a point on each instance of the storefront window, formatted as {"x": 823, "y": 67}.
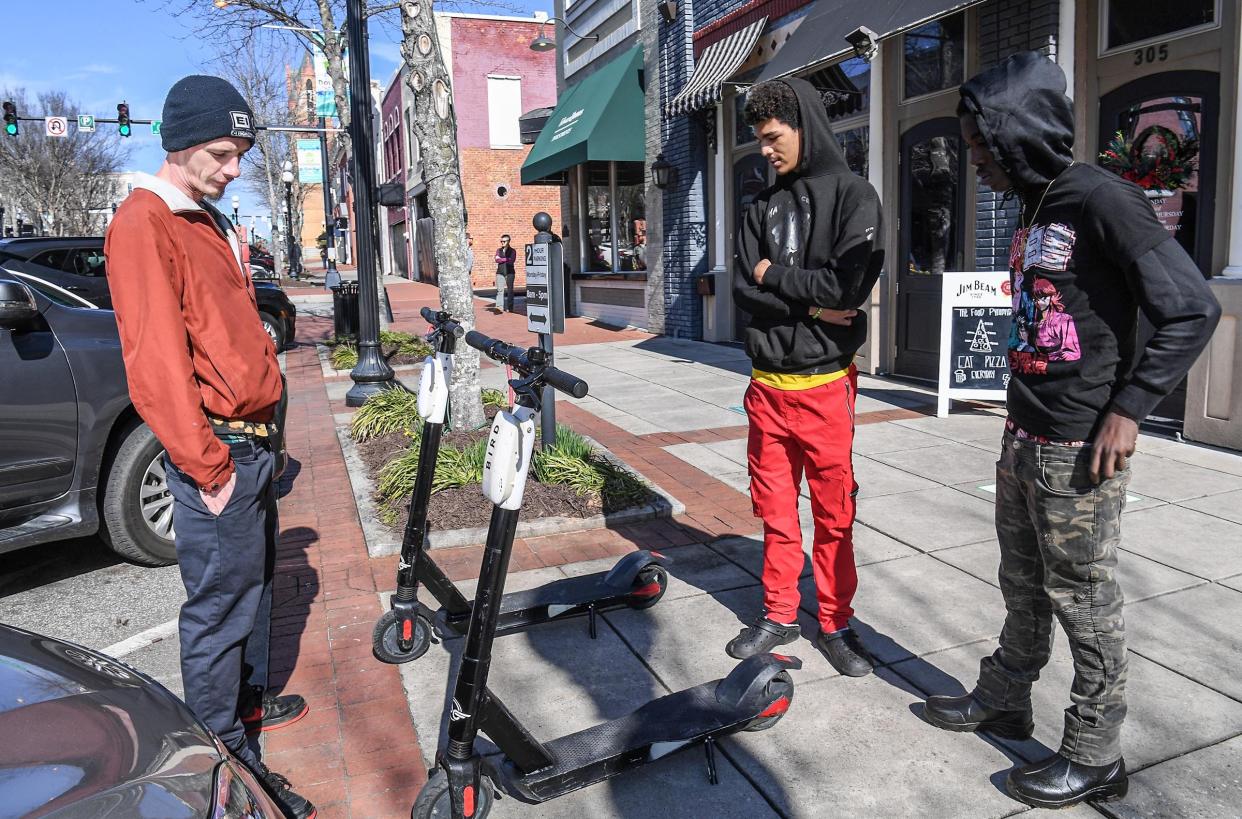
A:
{"x": 1157, "y": 146}
{"x": 845, "y": 86}
{"x": 854, "y": 144}
{"x": 632, "y": 225}
{"x": 935, "y": 56}
{"x": 1136, "y": 21}
{"x": 934, "y": 172}
{"x": 742, "y": 133}
{"x": 599, "y": 229}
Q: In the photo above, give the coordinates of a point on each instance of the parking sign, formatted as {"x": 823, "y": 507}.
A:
{"x": 86, "y": 123}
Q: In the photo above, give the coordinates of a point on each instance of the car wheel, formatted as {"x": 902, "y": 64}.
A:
{"x": 275, "y": 330}
{"x": 137, "y": 506}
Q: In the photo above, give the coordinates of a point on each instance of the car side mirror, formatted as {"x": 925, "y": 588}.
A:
{"x": 17, "y": 305}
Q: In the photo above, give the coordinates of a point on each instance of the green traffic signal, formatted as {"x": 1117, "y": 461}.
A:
{"x": 10, "y": 118}
{"x": 122, "y": 118}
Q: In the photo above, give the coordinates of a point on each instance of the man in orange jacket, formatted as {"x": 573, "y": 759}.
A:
{"x": 203, "y": 374}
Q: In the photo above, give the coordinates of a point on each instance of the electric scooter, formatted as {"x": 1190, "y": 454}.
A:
{"x": 754, "y": 696}
{"x": 404, "y": 632}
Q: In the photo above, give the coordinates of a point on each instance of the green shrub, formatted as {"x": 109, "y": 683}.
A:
{"x": 388, "y": 411}
{"x": 495, "y": 398}
{"x": 458, "y": 466}
{"x": 344, "y": 356}
{"x": 405, "y": 343}
{"x": 396, "y": 478}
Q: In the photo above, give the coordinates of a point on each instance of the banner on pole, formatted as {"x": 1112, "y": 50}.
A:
{"x": 325, "y": 97}
{"x": 310, "y": 164}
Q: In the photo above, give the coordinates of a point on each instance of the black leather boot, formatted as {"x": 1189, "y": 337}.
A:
{"x": 965, "y": 713}
{"x": 761, "y": 637}
{"x": 1058, "y": 783}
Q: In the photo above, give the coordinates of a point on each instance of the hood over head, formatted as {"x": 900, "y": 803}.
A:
{"x": 821, "y": 153}
{"x": 1022, "y": 111}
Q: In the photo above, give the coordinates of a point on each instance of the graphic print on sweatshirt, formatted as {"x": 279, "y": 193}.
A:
{"x": 1042, "y": 330}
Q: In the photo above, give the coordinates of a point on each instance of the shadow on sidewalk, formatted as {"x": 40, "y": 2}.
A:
{"x": 294, "y": 589}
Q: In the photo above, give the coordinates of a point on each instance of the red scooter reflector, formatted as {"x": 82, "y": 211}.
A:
{"x": 649, "y": 590}
{"x": 467, "y": 798}
{"x": 407, "y": 630}
{"x": 778, "y": 707}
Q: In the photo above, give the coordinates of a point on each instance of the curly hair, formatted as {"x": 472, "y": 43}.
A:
{"x": 772, "y": 100}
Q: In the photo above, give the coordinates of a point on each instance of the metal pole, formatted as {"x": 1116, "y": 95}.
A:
{"x": 547, "y": 409}
{"x": 372, "y": 375}
{"x": 331, "y": 277}
{"x": 289, "y": 230}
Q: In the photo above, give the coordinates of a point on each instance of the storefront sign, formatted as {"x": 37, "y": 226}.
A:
{"x": 975, "y": 313}
{"x": 545, "y": 311}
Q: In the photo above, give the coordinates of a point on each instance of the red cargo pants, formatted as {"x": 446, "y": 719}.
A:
{"x": 811, "y": 432}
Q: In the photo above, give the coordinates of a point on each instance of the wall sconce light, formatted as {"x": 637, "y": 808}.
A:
{"x": 663, "y": 173}
{"x": 667, "y": 9}
{"x": 543, "y": 43}
{"x": 864, "y": 41}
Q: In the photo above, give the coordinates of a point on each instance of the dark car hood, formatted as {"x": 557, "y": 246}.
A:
{"x": 83, "y": 736}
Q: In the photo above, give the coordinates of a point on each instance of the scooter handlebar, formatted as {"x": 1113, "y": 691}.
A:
{"x": 517, "y": 358}
{"x": 442, "y": 321}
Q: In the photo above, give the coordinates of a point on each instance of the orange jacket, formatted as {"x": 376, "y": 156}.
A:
{"x": 190, "y": 330}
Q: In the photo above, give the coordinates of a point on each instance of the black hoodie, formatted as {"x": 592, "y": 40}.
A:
{"x": 817, "y": 226}
{"x": 1091, "y": 255}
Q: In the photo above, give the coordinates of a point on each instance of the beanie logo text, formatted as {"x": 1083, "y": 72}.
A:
{"x": 241, "y": 121}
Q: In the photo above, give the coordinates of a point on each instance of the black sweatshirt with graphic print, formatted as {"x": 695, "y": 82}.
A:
{"x": 1081, "y": 266}
{"x": 818, "y": 226}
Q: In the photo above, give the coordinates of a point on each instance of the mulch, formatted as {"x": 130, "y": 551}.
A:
{"x": 463, "y": 507}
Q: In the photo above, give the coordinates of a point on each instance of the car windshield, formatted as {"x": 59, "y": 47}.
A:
{"x": 57, "y": 294}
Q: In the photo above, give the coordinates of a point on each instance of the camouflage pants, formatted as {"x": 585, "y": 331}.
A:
{"x": 1058, "y": 548}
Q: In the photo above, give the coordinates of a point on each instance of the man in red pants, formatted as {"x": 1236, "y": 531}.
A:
{"x": 806, "y": 257}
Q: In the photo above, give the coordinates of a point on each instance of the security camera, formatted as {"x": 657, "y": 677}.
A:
{"x": 864, "y": 41}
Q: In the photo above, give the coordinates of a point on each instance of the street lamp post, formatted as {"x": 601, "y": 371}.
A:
{"x": 236, "y": 205}
{"x": 286, "y": 176}
{"x": 372, "y": 375}
{"x": 331, "y": 277}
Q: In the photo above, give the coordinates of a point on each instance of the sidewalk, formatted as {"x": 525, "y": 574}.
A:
{"x": 927, "y": 605}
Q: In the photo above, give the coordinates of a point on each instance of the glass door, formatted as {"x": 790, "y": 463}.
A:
{"x": 930, "y": 238}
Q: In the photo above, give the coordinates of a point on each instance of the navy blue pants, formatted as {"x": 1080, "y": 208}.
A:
{"x": 226, "y": 565}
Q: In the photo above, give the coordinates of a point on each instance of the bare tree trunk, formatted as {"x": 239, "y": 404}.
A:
{"x": 435, "y": 128}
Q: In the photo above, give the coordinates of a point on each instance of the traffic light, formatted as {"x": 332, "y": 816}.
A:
{"x": 122, "y": 119}
{"x": 10, "y": 118}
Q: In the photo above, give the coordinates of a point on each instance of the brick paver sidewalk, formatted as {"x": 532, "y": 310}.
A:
{"x": 356, "y": 754}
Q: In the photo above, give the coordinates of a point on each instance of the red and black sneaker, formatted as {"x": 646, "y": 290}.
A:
{"x": 261, "y": 711}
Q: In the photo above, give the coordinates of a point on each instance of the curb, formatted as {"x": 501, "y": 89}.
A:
{"x": 380, "y": 542}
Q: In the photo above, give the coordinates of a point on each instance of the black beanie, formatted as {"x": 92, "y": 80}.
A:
{"x": 199, "y": 109}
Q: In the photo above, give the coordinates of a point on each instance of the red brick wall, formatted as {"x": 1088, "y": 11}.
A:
{"x": 499, "y": 47}
{"x": 483, "y": 170}
{"x": 483, "y": 47}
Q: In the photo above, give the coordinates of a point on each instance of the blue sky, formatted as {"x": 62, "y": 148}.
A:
{"x": 102, "y": 52}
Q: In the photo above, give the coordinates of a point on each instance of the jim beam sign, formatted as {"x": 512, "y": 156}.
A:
{"x": 975, "y": 314}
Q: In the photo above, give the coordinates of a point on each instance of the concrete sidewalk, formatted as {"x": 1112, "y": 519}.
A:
{"x": 928, "y": 606}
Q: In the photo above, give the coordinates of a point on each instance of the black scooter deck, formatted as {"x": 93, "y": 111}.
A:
{"x": 562, "y": 598}
{"x": 657, "y": 729}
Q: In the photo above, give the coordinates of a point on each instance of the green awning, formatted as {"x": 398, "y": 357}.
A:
{"x": 598, "y": 119}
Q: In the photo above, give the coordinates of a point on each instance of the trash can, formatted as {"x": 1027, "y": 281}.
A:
{"x": 345, "y": 309}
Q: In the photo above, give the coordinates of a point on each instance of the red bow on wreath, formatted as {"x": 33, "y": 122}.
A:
{"x": 1168, "y": 164}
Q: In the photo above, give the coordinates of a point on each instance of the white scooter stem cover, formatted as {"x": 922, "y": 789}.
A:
{"x": 433, "y": 387}
{"x": 509, "y": 451}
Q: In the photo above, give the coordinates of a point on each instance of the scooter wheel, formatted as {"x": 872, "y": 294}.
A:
{"x": 649, "y": 587}
{"x": 780, "y": 687}
{"x": 433, "y": 799}
{"x": 386, "y": 645}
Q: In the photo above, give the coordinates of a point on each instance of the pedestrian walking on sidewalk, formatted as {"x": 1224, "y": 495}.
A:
{"x": 506, "y": 256}
{"x": 1088, "y": 255}
{"x": 806, "y": 257}
{"x": 203, "y": 374}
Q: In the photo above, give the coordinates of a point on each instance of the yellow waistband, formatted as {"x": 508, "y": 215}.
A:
{"x": 796, "y": 381}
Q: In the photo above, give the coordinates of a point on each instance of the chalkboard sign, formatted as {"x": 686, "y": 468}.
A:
{"x": 975, "y": 314}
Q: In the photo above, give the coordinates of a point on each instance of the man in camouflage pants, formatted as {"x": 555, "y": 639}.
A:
{"x": 1088, "y": 255}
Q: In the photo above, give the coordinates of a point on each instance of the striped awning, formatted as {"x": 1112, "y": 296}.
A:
{"x": 717, "y": 63}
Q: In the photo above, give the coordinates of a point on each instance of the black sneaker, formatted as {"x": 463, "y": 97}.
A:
{"x": 845, "y": 652}
{"x": 282, "y": 793}
{"x": 261, "y": 711}
{"x": 761, "y": 637}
